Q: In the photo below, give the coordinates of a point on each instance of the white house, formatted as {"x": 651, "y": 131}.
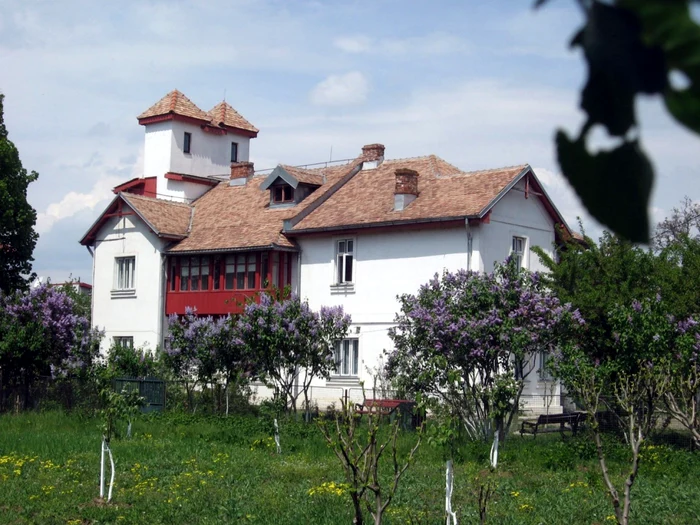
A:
{"x": 201, "y": 228}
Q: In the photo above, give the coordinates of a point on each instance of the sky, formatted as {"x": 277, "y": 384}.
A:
{"x": 480, "y": 84}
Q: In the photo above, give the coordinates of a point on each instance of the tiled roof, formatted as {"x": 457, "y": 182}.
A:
{"x": 177, "y": 104}
{"x": 167, "y": 218}
{"x": 239, "y": 217}
{"x": 444, "y": 192}
{"x": 305, "y": 176}
{"x": 224, "y": 114}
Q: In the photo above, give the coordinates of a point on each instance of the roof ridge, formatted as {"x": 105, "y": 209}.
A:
{"x": 521, "y": 166}
{"x": 156, "y": 199}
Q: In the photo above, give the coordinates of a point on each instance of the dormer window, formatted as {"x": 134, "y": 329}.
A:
{"x": 282, "y": 194}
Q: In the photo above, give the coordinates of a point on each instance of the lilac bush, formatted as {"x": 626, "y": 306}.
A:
{"x": 290, "y": 343}
{"x": 463, "y": 331}
{"x": 41, "y": 334}
{"x": 200, "y": 347}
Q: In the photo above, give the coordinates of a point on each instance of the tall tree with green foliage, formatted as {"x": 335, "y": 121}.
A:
{"x": 17, "y": 217}
{"x": 595, "y": 278}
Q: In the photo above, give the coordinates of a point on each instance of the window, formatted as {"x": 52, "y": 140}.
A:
{"x": 344, "y": 261}
{"x": 124, "y": 278}
{"x": 282, "y": 194}
{"x": 518, "y": 251}
{"x": 234, "y": 152}
{"x": 187, "y": 143}
{"x": 543, "y": 358}
{"x": 124, "y": 341}
{"x": 241, "y": 271}
{"x": 347, "y": 357}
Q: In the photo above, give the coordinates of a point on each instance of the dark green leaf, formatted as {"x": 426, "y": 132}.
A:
{"x": 614, "y": 185}
{"x": 620, "y": 65}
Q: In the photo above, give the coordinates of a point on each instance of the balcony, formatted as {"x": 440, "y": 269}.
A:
{"x": 222, "y": 284}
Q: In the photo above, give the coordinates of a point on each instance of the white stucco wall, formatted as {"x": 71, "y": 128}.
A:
{"x": 137, "y": 315}
{"x": 388, "y": 264}
{"x": 210, "y": 154}
{"x": 157, "y": 149}
{"x": 516, "y": 216}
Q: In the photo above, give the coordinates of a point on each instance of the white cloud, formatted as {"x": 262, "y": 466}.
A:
{"x": 354, "y": 44}
{"x": 436, "y": 43}
{"x": 341, "y": 90}
{"x": 74, "y": 202}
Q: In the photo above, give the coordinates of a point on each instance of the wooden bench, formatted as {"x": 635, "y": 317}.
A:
{"x": 565, "y": 423}
{"x": 391, "y": 408}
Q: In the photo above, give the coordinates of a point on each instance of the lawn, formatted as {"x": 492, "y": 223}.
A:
{"x": 197, "y": 470}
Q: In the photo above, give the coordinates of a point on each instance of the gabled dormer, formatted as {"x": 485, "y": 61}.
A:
{"x": 289, "y": 186}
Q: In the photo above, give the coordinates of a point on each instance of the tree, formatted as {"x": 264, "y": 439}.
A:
{"x": 595, "y": 278}
{"x": 41, "y": 335}
{"x": 469, "y": 340}
{"x": 17, "y": 217}
{"x": 199, "y": 347}
{"x": 291, "y": 343}
{"x": 684, "y": 223}
{"x": 631, "y": 47}
{"x": 629, "y": 381}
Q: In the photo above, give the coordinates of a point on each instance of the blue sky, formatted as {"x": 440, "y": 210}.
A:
{"x": 481, "y": 84}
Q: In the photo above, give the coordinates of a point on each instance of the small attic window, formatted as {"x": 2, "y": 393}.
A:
{"x": 282, "y": 194}
{"x": 187, "y": 143}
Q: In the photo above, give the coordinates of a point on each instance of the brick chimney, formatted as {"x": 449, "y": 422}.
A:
{"x": 372, "y": 156}
{"x": 406, "y": 189}
{"x": 240, "y": 172}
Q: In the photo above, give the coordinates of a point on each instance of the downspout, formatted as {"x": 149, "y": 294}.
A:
{"x": 92, "y": 292}
{"x": 468, "y": 228}
{"x": 161, "y": 295}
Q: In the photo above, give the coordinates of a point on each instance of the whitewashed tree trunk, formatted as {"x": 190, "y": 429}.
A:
{"x": 102, "y": 468}
{"x": 494, "y": 449}
{"x": 111, "y": 478}
{"x": 449, "y": 478}
{"x": 277, "y": 438}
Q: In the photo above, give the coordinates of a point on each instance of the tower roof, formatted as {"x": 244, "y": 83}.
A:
{"x": 175, "y": 103}
{"x": 225, "y": 116}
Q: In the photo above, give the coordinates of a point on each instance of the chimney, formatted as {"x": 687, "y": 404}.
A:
{"x": 240, "y": 172}
{"x": 372, "y": 156}
{"x": 406, "y": 189}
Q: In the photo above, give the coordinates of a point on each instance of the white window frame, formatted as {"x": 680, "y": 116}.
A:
{"x": 519, "y": 254}
{"x": 347, "y": 358}
{"x": 120, "y": 287}
{"x": 340, "y": 266}
{"x": 126, "y": 341}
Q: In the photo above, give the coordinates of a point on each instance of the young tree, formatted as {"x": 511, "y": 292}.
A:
{"x": 291, "y": 343}
{"x": 469, "y": 339}
{"x": 628, "y": 381}
{"x": 361, "y": 454}
{"x": 17, "y": 217}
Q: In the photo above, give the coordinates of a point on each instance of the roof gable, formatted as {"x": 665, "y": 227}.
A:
{"x": 167, "y": 219}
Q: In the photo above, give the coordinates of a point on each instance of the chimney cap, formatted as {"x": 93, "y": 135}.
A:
{"x": 373, "y": 151}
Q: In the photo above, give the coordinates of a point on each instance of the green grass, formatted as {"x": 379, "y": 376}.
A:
{"x": 199, "y": 470}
